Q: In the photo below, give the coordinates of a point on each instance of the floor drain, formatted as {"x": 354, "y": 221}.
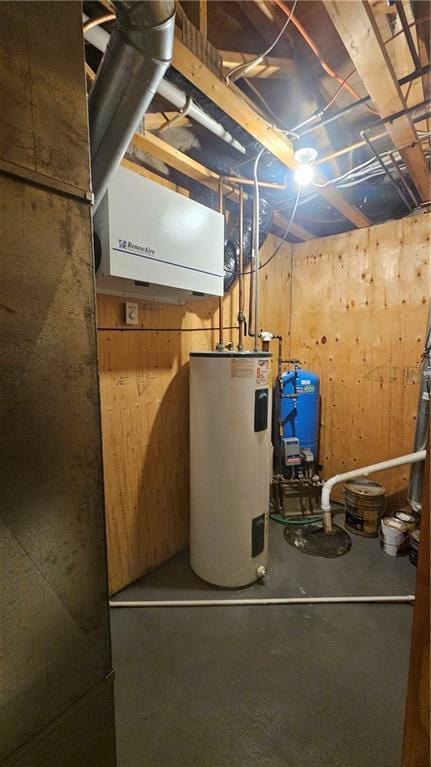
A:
{"x": 312, "y": 539}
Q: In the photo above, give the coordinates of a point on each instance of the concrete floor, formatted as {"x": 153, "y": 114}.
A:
{"x": 314, "y": 686}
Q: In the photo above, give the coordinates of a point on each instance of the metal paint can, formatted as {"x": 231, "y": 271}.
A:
{"x": 415, "y": 537}
{"x": 393, "y": 536}
{"x": 410, "y": 520}
{"x": 364, "y": 504}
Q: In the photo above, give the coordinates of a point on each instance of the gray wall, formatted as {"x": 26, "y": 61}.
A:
{"x": 56, "y": 698}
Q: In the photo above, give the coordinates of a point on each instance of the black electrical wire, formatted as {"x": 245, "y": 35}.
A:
{"x": 268, "y": 260}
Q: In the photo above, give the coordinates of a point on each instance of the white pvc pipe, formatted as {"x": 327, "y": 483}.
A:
{"x": 375, "y": 467}
{"x": 400, "y": 599}
{"x": 100, "y": 38}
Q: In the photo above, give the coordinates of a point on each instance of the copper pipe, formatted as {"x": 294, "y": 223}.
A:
{"x": 98, "y": 20}
{"x": 220, "y": 345}
{"x": 359, "y": 144}
{"x": 240, "y": 180}
{"x": 241, "y": 318}
{"x": 347, "y": 149}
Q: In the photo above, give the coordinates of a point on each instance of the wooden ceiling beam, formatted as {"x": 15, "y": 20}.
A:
{"x": 276, "y": 68}
{"x": 360, "y": 34}
{"x": 172, "y": 157}
{"x": 146, "y": 173}
{"x": 156, "y": 120}
{"x": 229, "y": 99}
{"x": 296, "y": 229}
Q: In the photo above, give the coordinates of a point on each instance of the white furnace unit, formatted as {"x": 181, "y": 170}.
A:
{"x": 155, "y": 244}
{"x": 230, "y": 465}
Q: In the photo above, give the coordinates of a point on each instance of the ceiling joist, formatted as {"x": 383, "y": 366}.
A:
{"x": 228, "y": 98}
{"x": 359, "y": 32}
{"x": 276, "y": 68}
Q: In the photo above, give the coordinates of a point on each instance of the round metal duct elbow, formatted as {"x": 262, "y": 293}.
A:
{"x": 137, "y": 56}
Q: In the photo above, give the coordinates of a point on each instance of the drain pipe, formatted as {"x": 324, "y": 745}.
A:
{"x": 100, "y": 38}
{"x": 397, "y": 599}
{"x": 414, "y": 497}
{"x": 325, "y": 503}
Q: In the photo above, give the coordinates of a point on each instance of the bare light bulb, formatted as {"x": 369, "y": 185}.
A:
{"x": 305, "y": 158}
{"x": 304, "y": 175}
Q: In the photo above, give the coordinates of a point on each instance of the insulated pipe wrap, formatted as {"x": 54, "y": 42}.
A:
{"x": 231, "y": 248}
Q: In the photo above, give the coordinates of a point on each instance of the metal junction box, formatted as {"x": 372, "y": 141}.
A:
{"x": 155, "y": 244}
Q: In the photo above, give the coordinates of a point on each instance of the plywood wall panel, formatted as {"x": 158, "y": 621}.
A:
{"x": 351, "y": 307}
{"x": 358, "y": 319}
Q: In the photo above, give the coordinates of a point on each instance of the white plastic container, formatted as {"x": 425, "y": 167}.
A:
{"x": 393, "y": 535}
{"x": 230, "y": 465}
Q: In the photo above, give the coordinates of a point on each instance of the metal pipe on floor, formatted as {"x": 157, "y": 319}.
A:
{"x": 398, "y": 599}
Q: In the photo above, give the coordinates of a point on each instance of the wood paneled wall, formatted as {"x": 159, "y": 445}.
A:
{"x": 351, "y": 307}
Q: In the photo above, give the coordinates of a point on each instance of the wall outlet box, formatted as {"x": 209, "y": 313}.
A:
{"x": 131, "y": 313}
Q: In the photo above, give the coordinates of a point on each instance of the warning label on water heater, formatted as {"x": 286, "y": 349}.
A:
{"x": 263, "y": 372}
{"x": 242, "y": 368}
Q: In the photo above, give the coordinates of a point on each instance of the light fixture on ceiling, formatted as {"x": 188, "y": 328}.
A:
{"x": 305, "y": 158}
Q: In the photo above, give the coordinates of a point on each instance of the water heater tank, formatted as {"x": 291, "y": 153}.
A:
{"x": 230, "y": 465}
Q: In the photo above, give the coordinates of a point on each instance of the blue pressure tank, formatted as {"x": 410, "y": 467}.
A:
{"x": 300, "y": 413}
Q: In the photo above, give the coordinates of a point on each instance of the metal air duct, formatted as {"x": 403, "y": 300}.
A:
{"x": 137, "y": 56}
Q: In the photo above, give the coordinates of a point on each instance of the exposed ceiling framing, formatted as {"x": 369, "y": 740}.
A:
{"x": 230, "y": 101}
{"x": 270, "y": 66}
{"x": 332, "y": 55}
{"x": 359, "y": 32}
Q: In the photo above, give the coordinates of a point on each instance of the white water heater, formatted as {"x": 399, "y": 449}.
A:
{"x": 230, "y": 465}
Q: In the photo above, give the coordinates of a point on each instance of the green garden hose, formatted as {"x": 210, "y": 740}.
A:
{"x": 302, "y": 521}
